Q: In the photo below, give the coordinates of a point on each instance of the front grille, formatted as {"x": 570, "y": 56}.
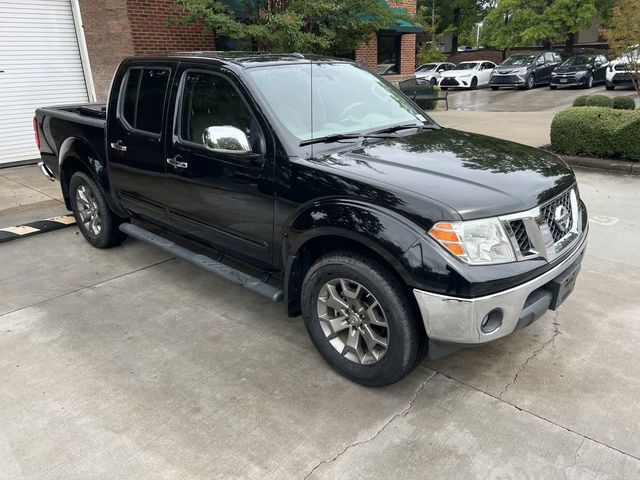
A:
{"x": 560, "y": 206}
{"x": 448, "y": 81}
{"x": 563, "y": 79}
{"x": 505, "y": 79}
{"x": 622, "y": 77}
{"x": 520, "y": 233}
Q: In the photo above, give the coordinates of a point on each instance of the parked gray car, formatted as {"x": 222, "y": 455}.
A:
{"x": 525, "y": 70}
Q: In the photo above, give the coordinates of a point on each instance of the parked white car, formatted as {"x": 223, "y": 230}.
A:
{"x": 620, "y": 72}
{"x": 468, "y": 75}
{"x": 432, "y": 72}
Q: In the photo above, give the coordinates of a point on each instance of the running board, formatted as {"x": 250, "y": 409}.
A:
{"x": 202, "y": 261}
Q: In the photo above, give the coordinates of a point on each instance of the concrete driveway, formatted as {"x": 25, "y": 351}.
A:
{"x": 522, "y": 116}
{"x": 129, "y": 364}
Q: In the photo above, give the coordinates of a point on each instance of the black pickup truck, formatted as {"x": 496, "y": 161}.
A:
{"x": 391, "y": 235}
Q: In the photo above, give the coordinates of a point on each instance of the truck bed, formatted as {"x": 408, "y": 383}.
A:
{"x": 83, "y": 122}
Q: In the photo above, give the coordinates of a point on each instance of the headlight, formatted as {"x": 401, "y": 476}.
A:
{"x": 580, "y": 74}
{"x": 521, "y": 71}
{"x": 465, "y": 76}
{"x": 476, "y": 242}
{"x": 554, "y": 74}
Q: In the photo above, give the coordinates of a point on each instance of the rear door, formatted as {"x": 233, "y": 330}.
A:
{"x": 136, "y": 118}
{"x": 224, "y": 199}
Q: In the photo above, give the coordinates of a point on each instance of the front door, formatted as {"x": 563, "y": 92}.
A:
{"x": 224, "y": 199}
{"x": 135, "y": 145}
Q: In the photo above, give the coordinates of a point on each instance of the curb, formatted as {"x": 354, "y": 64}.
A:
{"x": 618, "y": 166}
{"x": 33, "y": 228}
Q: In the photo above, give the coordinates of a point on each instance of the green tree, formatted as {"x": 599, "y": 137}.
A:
{"x": 319, "y": 26}
{"x": 623, "y": 35}
{"x": 516, "y": 22}
{"x": 455, "y": 17}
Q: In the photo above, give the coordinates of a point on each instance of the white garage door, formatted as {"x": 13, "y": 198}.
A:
{"x": 40, "y": 65}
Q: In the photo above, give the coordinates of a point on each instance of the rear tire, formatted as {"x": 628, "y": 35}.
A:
{"x": 97, "y": 223}
{"x": 361, "y": 319}
{"x": 433, "y": 81}
{"x": 552, "y": 87}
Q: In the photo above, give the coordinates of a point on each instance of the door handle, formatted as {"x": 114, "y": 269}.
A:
{"x": 119, "y": 146}
{"x": 177, "y": 162}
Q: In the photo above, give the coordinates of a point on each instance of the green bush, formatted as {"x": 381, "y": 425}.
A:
{"x": 430, "y": 104}
{"x": 599, "y": 101}
{"x": 597, "y": 132}
{"x": 580, "y": 101}
{"x": 624, "y": 103}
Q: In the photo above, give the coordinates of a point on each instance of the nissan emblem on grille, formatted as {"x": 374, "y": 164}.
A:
{"x": 562, "y": 217}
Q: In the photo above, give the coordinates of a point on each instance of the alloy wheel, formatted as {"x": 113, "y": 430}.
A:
{"x": 353, "y": 321}
{"x": 88, "y": 210}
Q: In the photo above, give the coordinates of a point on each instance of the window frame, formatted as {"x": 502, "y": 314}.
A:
{"x": 177, "y": 138}
{"x": 121, "y": 94}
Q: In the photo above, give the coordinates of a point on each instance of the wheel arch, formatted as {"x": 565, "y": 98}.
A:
{"x": 324, "y": 228}
{"x": 76, "y": 155}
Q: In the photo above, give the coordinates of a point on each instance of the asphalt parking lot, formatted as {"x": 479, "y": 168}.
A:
{"x": 127, "y": 363}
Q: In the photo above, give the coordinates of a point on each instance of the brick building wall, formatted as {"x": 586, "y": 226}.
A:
{"x": 152, "y": 33}
{"x": 115, "y": 29}
{"x": 108, "y": 34}
{"x": 367, "y": 54}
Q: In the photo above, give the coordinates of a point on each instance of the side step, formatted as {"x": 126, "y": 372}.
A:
{"x": 202, "y": 261}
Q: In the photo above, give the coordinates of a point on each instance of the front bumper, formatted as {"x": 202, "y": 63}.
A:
{"x": 461, "y": 321}
{"x": 507, "y": 80}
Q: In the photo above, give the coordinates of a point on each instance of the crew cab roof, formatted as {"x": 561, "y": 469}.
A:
{"x": 245, "y": 59}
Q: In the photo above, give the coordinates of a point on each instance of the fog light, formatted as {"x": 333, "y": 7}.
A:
{"x": 492, "y": 321}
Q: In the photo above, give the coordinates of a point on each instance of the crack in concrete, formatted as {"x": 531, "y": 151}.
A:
{"x": 556, "y": 332}
{"x": 540, "y": 417}
{"x": 403, "y": 413}
{"x": 575, "y": 458}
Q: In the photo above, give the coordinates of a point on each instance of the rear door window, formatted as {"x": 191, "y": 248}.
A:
{"x": 143, "y": 97}
{"x": 549, "y": 57}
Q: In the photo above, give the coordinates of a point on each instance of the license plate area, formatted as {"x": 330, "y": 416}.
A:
{"x": 563, "y": 80}
{"x": 562, "y": 286}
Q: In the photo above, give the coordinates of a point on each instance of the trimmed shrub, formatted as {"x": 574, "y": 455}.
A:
{"x": 599, "y": 101}
{"x": 430, "y": 104}
{"x": 624, "y": 103}
{"x": 597, "y": 132}
{"x": 580, "y": 101}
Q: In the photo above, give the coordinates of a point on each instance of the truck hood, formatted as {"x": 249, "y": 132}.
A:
{"x": 476, "y": 175}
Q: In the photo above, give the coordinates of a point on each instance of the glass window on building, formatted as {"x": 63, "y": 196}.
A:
{"x": 388, "y": 55}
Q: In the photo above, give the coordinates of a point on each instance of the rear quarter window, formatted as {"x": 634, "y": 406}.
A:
{"x": 143, "y": 98}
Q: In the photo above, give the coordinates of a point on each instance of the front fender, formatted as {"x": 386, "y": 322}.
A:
{"x": 382, "y": 231}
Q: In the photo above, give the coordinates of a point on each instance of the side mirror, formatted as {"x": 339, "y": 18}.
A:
{"x": 226, "y": 139}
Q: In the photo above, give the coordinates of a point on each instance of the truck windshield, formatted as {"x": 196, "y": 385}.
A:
{"x": 346, "y": 99}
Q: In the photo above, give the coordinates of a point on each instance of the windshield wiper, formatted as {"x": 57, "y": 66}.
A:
{"x": 397, "y": 128}
{"x": 332, "y": 138}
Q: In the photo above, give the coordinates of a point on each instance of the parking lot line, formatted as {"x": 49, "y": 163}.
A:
{"x": 36, "y": 227}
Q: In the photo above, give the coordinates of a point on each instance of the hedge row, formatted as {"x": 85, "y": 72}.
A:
{"x": 597, "y": 132}
{"x": 619, "y": 103}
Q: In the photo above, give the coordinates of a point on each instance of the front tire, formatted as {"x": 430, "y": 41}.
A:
{"x": 474, "y": 83}
{"x": 361, "y": 319}
{"x": 495, "y": 88}
{"x": 609, "y": 87}
{"x": 589, "y": 83}
{"x": 531, "y": 82}
{"x": 97, "y": 223}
